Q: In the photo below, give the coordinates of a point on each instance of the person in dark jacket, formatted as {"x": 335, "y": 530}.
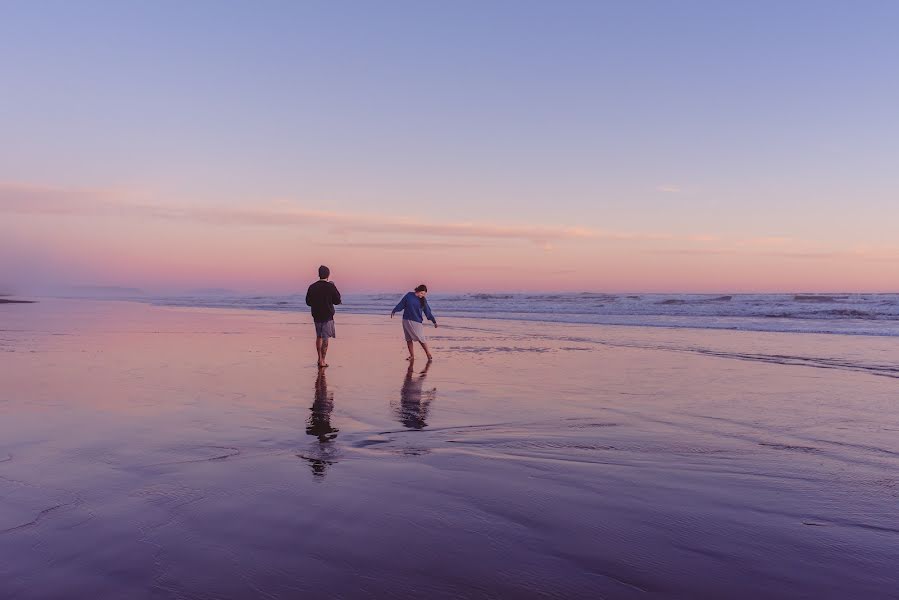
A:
{"x": 415, "y": 307}
{"x": 321, "y": 297}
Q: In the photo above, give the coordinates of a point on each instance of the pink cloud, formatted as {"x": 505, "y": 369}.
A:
{"x": 42, "y": 200}
{"x": 130, "y": 239}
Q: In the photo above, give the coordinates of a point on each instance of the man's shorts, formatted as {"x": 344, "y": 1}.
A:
{"x": 325, "y": 329}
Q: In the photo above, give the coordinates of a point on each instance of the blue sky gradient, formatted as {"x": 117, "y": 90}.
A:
{"x": 747, "y": 120}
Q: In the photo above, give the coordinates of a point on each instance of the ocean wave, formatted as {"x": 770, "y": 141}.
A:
{"x": 858, "y": 314}
{"x": 818, "y": 298}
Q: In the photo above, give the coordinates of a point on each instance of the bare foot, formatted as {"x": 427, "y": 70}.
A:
{"x": 322, "y": 365}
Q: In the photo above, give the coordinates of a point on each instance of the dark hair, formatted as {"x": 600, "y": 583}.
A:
{"x": 324, "y": 272}
{"x": 421, "y": 288}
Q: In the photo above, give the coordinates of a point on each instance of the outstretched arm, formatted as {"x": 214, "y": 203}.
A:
{"x": 429, "y": 315}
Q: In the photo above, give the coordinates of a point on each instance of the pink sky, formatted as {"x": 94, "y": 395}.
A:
{"x": 57, "y": 237}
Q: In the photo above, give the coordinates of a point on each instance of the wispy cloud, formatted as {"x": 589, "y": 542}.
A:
{"x": 41, "y": 200}
{"x": 768, "y": 242}
{"x": 743, "y": 252}
{"x": 745, "y": 249}
{"x": 405, "y": 245}
{"x": 35, "y": 199}
{"x": 704, "y": 238}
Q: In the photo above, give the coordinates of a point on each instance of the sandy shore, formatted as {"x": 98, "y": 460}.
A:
{"x": 183, "y": 453}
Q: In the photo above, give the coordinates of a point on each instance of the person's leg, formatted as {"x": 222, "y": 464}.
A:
{"x": 318, "y": 350}
{"x": 410, "y": 345}
{"x": 427, "y": 351}
{"x": 324, "y": 352}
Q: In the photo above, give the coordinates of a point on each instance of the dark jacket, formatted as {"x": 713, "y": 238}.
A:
{"x": 322, "y": 296}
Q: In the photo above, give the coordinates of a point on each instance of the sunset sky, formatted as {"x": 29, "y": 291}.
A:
{"x": 476, "y": 146}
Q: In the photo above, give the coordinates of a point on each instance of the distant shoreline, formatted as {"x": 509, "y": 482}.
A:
{"x": 7, "y": 301}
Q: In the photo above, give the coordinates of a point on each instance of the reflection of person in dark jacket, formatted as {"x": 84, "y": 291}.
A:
{"x": 319, "y": 423}
{"x": 415, "y": 402}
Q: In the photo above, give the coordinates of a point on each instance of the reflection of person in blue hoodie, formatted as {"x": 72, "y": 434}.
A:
{"x": 415, "y": 400}
{"x": 415, "y": 307}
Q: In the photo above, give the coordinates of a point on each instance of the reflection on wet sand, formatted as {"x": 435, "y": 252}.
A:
{"x": 322, "y": 407}
{"x": 415, "y": 402}
{"x": 319, "y": 424}
{"x": 154, "y": 433}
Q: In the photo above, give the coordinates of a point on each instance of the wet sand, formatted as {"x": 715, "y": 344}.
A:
{"x": 153, "y": 452}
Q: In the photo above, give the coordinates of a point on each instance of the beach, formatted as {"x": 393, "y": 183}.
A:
{"x": 178, "y": 452}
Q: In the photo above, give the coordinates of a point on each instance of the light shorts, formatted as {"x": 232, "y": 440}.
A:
{"x": 325, "y": 329}
{"x": 414, "y": 331}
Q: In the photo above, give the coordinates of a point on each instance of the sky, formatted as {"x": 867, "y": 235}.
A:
{"x": 669, "y": 146}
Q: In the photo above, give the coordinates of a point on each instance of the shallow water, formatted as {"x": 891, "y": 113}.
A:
{"x": 195, "y": 453}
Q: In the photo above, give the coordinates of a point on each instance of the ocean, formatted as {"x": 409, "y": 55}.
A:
{"x": 837, "y": 313}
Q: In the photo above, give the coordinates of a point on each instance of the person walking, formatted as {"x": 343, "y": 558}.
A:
{"x": 415, "y": 307}
{"x": 321, "y": 298}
